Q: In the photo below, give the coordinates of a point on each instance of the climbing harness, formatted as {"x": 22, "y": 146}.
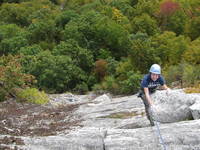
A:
{"x": 158, "y": 131}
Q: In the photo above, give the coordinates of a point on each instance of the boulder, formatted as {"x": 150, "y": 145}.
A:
{"x": 173, "y": 107}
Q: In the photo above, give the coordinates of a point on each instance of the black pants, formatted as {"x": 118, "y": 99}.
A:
{"x": 147, "y": 107}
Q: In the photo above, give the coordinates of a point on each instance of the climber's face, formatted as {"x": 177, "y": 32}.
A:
{"x": 154, "y": 76}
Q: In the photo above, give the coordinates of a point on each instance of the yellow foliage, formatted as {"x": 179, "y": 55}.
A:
{"x": 117, "y": 15}
{"x": 33, "y": 95}
{"x": 195, "y": 89}
{"x": 45, "y": 6}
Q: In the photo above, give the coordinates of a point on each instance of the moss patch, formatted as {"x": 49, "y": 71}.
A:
{"x": 123, "y": 115}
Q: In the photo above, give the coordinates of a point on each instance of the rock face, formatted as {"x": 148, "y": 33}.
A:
{"x": 121, "y": 124}
{"x": 175, "y": 106}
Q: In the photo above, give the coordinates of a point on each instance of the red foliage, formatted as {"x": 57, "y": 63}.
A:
{"x": 100, "y": 68}
{"x": 167, "y": 8}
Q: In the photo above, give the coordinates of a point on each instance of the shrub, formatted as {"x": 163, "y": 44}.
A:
{"x": 32, "y": 95}
{"x": 81, "y": 88}
{"x": 124, "y": 80}
{"x": 132, "y": 84}
{"x": 187, "y": 74}
{"x": 127, "y": 77}
{"x": 111, "y": 66}
{"x": 12, "y": 77}
{"x": 3, "y": 94}
{"x": 110, "y": 84}
{"x": 191, "y": 75}
{"x": 173, "y": 73}
{"x": 91, "y": 81}
{"x": 100, "y": 68}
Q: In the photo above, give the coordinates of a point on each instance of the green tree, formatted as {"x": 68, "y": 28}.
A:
{"x": 150, "y": 7}
{"x": 193, "y": 28}
{"x": 82, "y": 29}
{"x": 14, "y": 13}
{"x": 30, "y": 50}
{"x": 62, "y": 19}
{"x": 80, "y": 56}
{"x": 12, "y": 38}
{"x": 123, "y": 5}
{"x": 145, "y": 24}
{"x": 42, "y": 31}
{"x": 94, "y": 31}
{"x": 12, "y": 45}
{"x": 9, "y": 30}
{"x": 143, "y": 54}
{"x": 22, "y": 13}
{"x": 173, "y": 17}
{"x": 169, "y": 47}
{"x": 56, "y": 73}
{"x": 116, "y": 15}
{"x": 177, "y": 22}
{"x": 192, "y": 54}
{"x": 114, "y": 37}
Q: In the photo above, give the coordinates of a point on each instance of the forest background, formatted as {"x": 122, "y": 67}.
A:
{"x": 58, "y": 46}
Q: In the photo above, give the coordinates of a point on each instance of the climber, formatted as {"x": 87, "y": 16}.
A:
{"x": 149, "y": 84}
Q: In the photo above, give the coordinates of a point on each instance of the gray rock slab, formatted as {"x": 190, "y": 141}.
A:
{"x": 83, "y": 139}
{"x": 109, "y": 112}
{"x": 182, "y": 135}
{"x": 177, "y": 136}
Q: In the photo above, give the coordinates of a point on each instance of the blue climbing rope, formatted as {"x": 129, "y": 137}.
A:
{"x": 158, "y": 132}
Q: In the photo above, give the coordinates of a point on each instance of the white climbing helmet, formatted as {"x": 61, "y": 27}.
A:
{"x": 155, "y": 68}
